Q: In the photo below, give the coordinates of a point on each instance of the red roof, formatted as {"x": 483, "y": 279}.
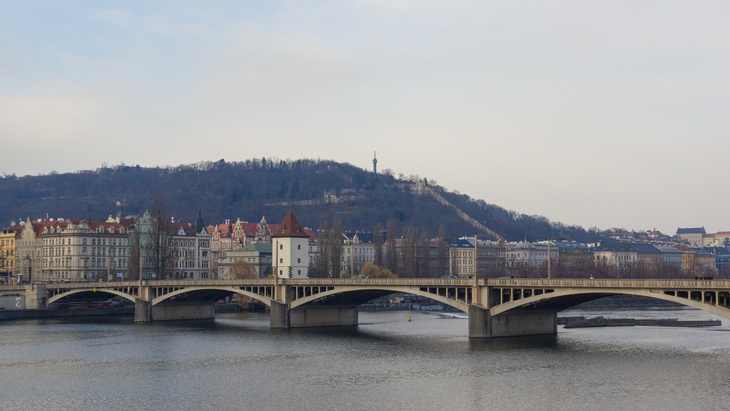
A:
{"x": 290, "y": 227}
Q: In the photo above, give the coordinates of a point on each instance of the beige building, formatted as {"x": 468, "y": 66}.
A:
{"x": 64, "y": 250}
{"x": 226, "y": 237}
{"x": 718, "y": 239}
{"x": 256, "y": 255}
{"x": 83, "y": 251}
{"x": 7, "y": 254}
{"x": 693, "y": 236}
{"x": 526, "y": 255}
{"x": 357, "y": 250}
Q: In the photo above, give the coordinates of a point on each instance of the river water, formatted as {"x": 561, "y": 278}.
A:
{"x": 387, "y": 363}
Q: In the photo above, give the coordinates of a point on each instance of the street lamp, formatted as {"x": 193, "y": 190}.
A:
{"x": 549, "y": 254}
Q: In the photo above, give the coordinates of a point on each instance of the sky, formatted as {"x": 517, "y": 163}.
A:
{"x": 592, "y": 113}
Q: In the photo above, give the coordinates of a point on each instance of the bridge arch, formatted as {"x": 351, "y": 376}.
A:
{"x": 192, "y": 290}
{"x": 111, "y": 292}
{"x": 562, "y": 299}
{"x": 359, "y": 296}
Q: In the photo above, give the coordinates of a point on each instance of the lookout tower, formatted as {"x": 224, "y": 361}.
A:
{"x": 375, "y": 163}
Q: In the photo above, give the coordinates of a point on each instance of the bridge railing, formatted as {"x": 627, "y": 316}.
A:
{"x": 13, "y": 287}
{"x": 456, "y": 282}
{"x": 268, "y": 281}
{"x": 608, "y": 283}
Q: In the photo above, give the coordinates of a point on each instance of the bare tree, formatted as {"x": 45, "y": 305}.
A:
{"x": 160, "y": 239}
{"x": 423, "y": 267}
{"x": 320, "y": 266}
{"x": 378, "y": 244}
{"x": 407, "y": 257}
{"x": 329, "y": 261}
{"x": 134, "y": 252}
{"x": 443, "y": 252}
{"x": 335, "y": 242}
{"x": 391, "y": 257}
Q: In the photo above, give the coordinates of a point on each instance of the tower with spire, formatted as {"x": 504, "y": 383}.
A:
{"x": 290, "y": 249}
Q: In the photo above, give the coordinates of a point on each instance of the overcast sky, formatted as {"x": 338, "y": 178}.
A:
{"x": 606, "y": 114}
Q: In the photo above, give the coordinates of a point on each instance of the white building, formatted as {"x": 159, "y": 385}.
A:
{"x": 291, "y": 249}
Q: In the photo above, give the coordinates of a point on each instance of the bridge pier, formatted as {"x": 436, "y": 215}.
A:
{"x": 483, "y": 325}
{"x": 284, "y": 317}
{"x": 323, "y": 317}
{"x": 144, "y": 311}
{"x": 279, "y": 315}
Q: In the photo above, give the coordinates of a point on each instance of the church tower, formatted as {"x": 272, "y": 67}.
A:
{"x": 290, "y": 249}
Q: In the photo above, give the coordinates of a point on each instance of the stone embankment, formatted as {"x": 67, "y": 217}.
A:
{"x": 63, "y": 313}
{"x": 583, "y": 322}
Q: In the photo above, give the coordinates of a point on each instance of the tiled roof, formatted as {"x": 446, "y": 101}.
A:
{"x": 615, "y": 246}
{"x": 644, "y": 248}
{"x": 290, "y": 227}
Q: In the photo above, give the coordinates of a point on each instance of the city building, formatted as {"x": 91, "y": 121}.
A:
{"x": 575, "y": 260}
{"x": 53, "y": 250}
{"x": 190, "y": 252}
{"x": 718, "y": 239}
{"x": 525, "y": 258}
{"x": 291, "y": 248}
{"x": 7, "y": 254}
{"x": 357, "y": 250}
{"x": 693, "y": 236}
{"x": 257, "y": 256}
{"x": 227, "y": 236}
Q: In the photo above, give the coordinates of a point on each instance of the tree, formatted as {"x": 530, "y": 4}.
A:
{"x": 335, "y": 243}
{"x": 424, "y": 256}
{"x": 134, "y": 253}
{"x": 378, "y": 244}
{"x": 391, "y": 257}
{"x": 373, "y": 271}
{"x": 329, "y": 261}
{"x": 408, "y": 264}
{"x": 243, "y": 270}
{"x": 443, "y": 252}
{"x": 160, "y": 239}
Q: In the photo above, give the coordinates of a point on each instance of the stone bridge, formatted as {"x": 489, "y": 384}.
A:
{"x": 496, "y": 307}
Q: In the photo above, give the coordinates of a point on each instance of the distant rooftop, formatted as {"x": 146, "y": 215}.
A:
{"x": 691, "y": 230}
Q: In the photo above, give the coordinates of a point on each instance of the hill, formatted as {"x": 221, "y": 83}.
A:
{"x": 317, "y": 190}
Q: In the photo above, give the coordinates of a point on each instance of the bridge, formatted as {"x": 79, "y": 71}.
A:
{"x": 496, "y": 307}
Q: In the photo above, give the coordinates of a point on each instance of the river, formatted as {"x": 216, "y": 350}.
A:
{"x": 387, "y": 363}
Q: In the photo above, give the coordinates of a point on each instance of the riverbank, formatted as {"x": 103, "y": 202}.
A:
{"x": 7, "y": 315}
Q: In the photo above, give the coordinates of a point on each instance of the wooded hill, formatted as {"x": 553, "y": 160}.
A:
{"x": 318, "y": 191}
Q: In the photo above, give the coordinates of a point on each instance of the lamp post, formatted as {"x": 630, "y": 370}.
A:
{"x": 549, "y": 251}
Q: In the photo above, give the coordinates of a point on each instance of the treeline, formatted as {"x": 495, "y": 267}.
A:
{"x": 253, "y": 188}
